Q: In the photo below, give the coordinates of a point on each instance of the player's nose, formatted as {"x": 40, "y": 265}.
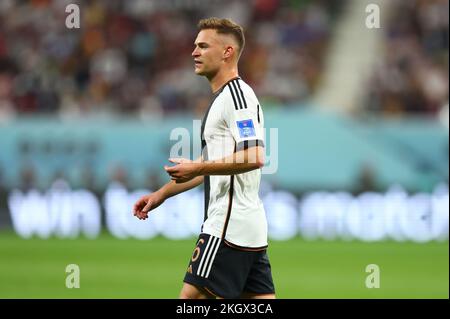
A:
{"x": 195, "y": 53}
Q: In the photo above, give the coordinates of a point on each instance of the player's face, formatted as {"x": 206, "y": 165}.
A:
{"x": 208, "y": 53}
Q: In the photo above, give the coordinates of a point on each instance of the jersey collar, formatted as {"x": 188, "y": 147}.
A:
{"x": 223, "y": 86}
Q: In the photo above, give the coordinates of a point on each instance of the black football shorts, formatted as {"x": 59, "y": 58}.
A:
{"x": 227, "y": 271}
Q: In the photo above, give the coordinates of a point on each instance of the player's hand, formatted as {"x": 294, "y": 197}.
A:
{"x": 147, "y": 203}
{"x": 184, "y": 171}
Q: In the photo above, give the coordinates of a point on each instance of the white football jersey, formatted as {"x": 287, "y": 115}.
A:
{"x": 233, "y": 209}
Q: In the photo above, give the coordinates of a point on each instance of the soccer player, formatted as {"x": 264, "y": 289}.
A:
{"x": 230, "y": 259}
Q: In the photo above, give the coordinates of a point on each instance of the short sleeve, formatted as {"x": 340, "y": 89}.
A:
{"x": 243, "y": 116}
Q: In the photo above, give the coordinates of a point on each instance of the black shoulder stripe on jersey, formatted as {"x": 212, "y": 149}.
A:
{"x": 232, "y": 94}
{"x": 242, "y": 93}
{"x": 233, "y": 83}
{"x": 235, "y": 90}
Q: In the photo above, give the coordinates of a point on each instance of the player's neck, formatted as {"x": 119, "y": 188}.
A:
{"x": 222, "y": 77}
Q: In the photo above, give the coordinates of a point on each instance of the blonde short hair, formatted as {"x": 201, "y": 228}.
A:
{"x": 224, "y": 26}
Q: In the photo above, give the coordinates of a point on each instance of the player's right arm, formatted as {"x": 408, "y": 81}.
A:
{"x": 151, "y": 201}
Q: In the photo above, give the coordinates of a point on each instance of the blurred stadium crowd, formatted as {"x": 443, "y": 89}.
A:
{"x": 133, "y": 57}
{"x": 412, "y": 77}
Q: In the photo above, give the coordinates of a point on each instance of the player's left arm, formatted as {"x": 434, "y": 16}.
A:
{"x": 242, "y": 161}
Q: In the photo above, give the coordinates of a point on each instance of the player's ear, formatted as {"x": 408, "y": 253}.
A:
{"x": 229, "y": 50}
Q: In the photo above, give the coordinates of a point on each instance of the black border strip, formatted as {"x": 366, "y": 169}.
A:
{"x": 243, "y": 145}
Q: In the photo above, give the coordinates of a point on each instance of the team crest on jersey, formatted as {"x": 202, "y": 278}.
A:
{"x": 246, "y": 128}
